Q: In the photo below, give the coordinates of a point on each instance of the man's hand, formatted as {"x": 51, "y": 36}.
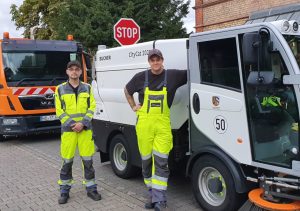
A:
{"x": 136, "y": 107}
{"x": 131, "y": 102}
{"x": 77, "y": 127}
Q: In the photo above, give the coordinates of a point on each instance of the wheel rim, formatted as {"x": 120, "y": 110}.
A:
{"x": 120, "y": 156}
{"x": 214, "y": 199}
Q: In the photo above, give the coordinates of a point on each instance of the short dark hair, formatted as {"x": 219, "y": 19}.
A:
{"x": 74, "y": 63}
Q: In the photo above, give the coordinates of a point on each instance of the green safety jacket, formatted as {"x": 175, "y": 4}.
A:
{"x": 271, "y": 101}
{"x": 70, "y": 109}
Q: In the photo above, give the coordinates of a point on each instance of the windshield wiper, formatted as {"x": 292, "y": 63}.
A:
{"x": 40, "y": 79}
{"x": 30, "y": 79}
{"x": 58, "y": 79}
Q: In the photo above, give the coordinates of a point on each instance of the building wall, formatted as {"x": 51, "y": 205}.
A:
{"x": 215, "y": 14}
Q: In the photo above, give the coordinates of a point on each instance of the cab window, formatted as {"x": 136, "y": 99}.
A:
{"x": 219, "y": 63}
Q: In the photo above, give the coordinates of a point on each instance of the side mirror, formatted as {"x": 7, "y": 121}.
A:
{"x": 250, "y": 46}
{"x": 257, "y": 78}
{"x": 291, "y": 79}
{"x": 87, "y": 61}
{"x": 8, "y": 73}
{"x": 265, "y": 37}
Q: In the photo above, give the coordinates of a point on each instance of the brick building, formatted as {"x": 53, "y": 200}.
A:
{"x": 214, "y": 14}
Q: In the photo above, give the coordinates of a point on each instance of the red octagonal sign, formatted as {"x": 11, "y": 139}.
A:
{"x": 126, "y": 31}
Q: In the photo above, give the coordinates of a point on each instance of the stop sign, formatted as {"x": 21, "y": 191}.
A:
{"x": 126, "y": 31}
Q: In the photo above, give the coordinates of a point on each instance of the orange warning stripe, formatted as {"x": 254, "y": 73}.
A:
{"x": 255, "y": 197}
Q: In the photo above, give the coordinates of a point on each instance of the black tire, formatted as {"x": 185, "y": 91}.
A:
{"x": 1, "y": 138}
{"x": 120, "y": 157}
{"x": 208, "y": 167}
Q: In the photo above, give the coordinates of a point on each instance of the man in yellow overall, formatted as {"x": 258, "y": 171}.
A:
{"x": 156, "y": 88}
{"x": 75, "y": 105}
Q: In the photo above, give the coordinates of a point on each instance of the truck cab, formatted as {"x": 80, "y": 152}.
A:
{"x": 244, "y": 110}
{"x": 29, "y": 72}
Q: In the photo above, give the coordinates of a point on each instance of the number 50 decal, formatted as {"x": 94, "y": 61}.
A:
{"x": 220, "y": 124}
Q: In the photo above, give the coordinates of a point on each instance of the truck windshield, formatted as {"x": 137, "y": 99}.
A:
{"x": 36, "y": 68}
{"x": 294, "y": 43}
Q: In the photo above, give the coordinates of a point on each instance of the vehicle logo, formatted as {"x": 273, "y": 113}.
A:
{"x": 48, "y": 100}
{"x": 47, "y": 103}
{"x": 215, "y": 100}
{"x": 49, "y": 96}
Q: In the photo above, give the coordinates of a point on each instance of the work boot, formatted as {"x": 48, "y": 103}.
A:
{"x": 94, "y": 195}
{"x": 162, "y": 205}
{"x": 63, "y": 198}
{"x": 149, "y": 204}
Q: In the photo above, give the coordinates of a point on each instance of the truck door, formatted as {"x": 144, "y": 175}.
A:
{"x": 272, "y": 105}
{"x": 218, "y": 114}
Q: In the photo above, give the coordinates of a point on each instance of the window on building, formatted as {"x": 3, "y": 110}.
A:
{"x": 219, "y": 63}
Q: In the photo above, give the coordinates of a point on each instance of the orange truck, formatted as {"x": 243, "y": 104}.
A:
{"x": 29, "y": 72}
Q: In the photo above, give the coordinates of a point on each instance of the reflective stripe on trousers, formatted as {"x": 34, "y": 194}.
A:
{"x": 86, "y": 148}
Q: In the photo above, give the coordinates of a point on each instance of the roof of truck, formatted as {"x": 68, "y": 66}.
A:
{"x": 288, "y": 12}
{"x": 38, "y": 45}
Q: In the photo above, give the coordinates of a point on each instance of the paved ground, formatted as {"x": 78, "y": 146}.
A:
{"x": 29, "y": 169}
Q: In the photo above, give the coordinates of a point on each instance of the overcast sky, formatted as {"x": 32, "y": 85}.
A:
{"x": 7, "y": 25}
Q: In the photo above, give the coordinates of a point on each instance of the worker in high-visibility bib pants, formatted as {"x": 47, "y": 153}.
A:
{"x": 75, "y": 105}
{"x": 156, "y": 88}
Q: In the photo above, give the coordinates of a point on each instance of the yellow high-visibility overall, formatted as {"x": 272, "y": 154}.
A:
{"x": 154, "y": 135}
{"x": 71, "y": 110}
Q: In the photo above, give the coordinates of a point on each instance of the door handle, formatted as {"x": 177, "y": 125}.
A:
{"x": 196, "y": 103}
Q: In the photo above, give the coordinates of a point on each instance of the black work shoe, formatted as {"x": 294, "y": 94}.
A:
{"x": 159, "y": 206}
{"x": 63, "y": 198}
{"x": 149, "y": 204}
{"x": 94, "y": 195}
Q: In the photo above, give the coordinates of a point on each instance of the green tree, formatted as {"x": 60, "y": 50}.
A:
{"x": 91, "y": 22}
{"x": 158, "y": 19}
{"x": 41, "y": 13}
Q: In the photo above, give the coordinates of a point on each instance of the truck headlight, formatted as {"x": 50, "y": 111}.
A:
{"x": 10, "y": 121}
{"x": 295, "y": 26}
{"x": 285, "y": 26}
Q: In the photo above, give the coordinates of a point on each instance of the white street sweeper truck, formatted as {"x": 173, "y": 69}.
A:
{"x": 235, "y": 123}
